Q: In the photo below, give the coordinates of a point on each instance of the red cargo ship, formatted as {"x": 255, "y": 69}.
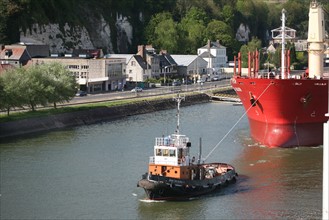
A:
{"x": 286, "y": 110}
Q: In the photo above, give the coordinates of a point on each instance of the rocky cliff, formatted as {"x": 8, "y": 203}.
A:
{"x": 97, "y": 34}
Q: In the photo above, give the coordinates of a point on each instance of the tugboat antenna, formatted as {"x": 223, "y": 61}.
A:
{"x": 178, "y": 99}
{"x": 200, "y": 151}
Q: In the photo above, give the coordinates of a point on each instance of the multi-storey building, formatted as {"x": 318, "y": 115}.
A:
{"x": 93, "y": 75}
{"x": 215, "y": 54}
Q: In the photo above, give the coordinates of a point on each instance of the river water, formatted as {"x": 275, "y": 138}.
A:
{"x": 91, "y": 172}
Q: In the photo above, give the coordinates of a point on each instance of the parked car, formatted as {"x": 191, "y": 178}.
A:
{"x": 188, "y": 82}
{"x": 176, "y": 83}
{"x": 216, "y": 78}
{"x": 81, "y": 93}
{"x": 137, "y": 89}
{"x": 200, "y": 81}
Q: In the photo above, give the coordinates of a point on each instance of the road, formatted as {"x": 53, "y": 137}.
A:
{"x": 118, "y": 95}
{"x": 163, "y": 90}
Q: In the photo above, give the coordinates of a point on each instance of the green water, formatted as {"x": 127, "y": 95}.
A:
{"x": 91, "y": 172}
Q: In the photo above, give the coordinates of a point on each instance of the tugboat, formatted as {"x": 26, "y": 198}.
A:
{"x": 174, "y": 175}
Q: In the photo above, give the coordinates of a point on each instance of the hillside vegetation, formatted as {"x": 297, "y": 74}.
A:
{"x": 179, "y": 26}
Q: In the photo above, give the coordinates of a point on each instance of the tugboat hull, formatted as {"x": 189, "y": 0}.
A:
{"x": 164, "y": 188}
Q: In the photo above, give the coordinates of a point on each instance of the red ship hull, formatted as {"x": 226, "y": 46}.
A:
{"x": 286, "y": 113}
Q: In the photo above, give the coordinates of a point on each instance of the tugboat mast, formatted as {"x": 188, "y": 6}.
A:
{"x": 178, "y": 99}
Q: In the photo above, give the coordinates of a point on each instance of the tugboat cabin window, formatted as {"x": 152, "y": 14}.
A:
{"x": 158, "y": 152}
{"x": 165, "y": 152}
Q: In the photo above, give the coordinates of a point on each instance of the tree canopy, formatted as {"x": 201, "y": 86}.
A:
{"x": 38, "y": 85}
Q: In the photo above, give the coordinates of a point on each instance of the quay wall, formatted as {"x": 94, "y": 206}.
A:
{"x": 91, "y": 116}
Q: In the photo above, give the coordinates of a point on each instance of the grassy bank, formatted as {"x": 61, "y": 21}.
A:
{"x": 14, "y": 116}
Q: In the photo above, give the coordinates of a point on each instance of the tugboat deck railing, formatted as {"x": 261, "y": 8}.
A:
{"x": 178, "y": 141}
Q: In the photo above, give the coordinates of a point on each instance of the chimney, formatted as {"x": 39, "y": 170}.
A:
{"x": 141, "y": 51}
{"x": 162, "y": 52}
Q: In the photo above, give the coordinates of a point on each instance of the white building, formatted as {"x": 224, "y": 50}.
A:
{"x": 215, "y": 55}
{"x": 138, "y": 70}
{"x": 93, "y": 75}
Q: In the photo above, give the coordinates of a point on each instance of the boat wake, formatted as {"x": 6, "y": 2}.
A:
{"x": 151, "y": 201}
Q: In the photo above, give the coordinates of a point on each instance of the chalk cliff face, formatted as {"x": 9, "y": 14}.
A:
{"x": 98, "y": 34}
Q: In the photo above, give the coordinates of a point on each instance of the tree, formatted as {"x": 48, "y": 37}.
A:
{"x": 61, "y": 83}
{"x": 36, "y": 85}
{"x": 153, "y": 23}
{"x": 227, "y": 14}
{"x": 166, "y": 35}
{"x": 12, "y": 94}
{"x": 10, "y": 12}
{"x": 192, "y": 29}
{"x": 252, "y": 46}
{"x": 218, "y": 30}
{"x": 297, "y": 16}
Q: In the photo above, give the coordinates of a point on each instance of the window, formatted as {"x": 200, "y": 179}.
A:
{"x": 172, "y": 153}
{"x": 158, "y": 152}
{"x": 74, "y": 67}
{"x": 115, "y": 69}
{"x": 83, "y": 75}
{"x": 165, "y": 152}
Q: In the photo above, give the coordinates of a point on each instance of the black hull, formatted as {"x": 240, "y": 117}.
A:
{"x": 163, "y": 188}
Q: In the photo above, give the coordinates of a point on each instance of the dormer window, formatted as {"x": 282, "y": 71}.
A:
{"x": 8, "y": 53}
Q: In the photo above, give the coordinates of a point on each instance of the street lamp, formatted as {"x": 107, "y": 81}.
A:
{"x": 165, "y": 71}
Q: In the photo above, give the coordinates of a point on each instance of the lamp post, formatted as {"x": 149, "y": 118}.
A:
{"x": 165, "y": 71}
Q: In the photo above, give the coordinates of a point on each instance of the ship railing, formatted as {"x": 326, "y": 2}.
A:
{"x": 180, "y": 141}
{"x": 163, "y": 141}
{"x": 151, "y": 160}
{"x": 171, "y": 141}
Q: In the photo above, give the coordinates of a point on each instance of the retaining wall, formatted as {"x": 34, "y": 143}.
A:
{"x": 33, "y": 125}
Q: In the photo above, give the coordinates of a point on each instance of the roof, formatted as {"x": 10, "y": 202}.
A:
{"x": 91, "y": 52}
{"x": 17, "y": 53}
{"x": 184, "y": 60}
{"x": 141, "y": 62}
{"x": 125, "y": 56}
{"x": 166, "y": 60}
{"x": 206, "y": 54}
{"x": 271, "y": 49}
{"x": 214, "y": 44}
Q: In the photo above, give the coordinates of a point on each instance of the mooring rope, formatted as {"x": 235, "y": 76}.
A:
{"x": 271, "y": 83}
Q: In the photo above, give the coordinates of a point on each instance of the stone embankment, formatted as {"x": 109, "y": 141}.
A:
{"x": 226, "y": 94}
{"x": 91, "y": 116}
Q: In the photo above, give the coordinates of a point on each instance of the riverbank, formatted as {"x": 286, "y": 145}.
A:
{"x": 95, "y": 115}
